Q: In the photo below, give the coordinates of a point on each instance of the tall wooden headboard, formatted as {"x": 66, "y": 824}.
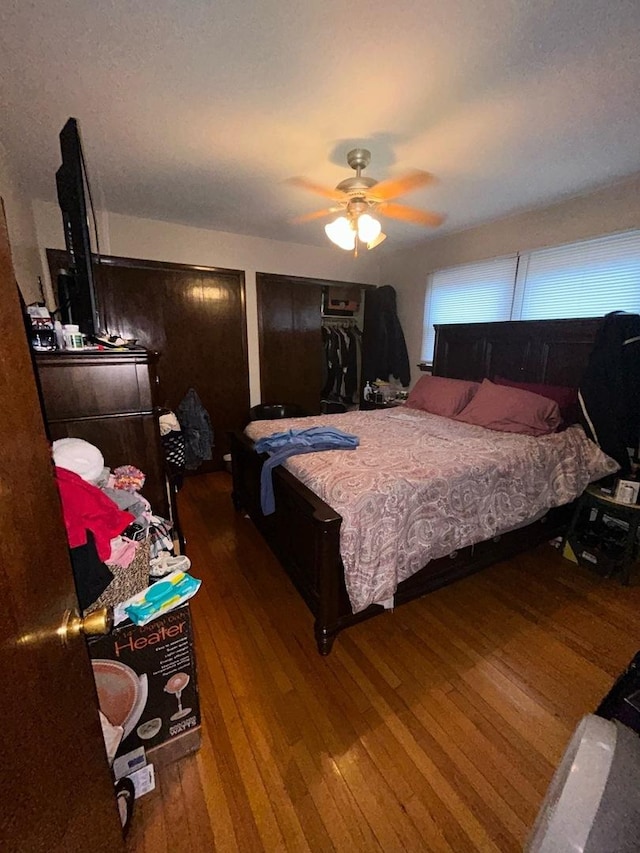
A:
{"x": 550, "y": 351}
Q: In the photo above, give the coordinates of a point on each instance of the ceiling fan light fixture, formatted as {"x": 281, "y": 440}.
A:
{"x": 376, "y": 242}
{"x": 341, "y": 233}
{"x": 368, "y": 228}
{"x": 359, "y": 195}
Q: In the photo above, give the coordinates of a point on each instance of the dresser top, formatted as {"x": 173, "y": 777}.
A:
{"x": 59, "y": 358}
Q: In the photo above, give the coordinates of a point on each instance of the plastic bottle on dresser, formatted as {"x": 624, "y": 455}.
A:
{"x": 72, "y": 337}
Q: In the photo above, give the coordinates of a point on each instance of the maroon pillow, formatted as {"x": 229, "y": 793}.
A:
{"x": 566, "y": 398}
{"x": 511, "y": 410}
{"x": 441, "y": 396}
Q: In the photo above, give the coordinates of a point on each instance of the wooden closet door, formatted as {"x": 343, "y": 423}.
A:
{"x": 291, "y": 353}
{"x": 195, "y": 319}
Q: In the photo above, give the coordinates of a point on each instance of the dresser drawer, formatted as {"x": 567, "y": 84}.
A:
{"x": 83, "y": 386}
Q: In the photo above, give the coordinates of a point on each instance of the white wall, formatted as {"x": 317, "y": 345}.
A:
{"x": 129, "y": 236}
{"x": 605, "y": 211}
{"x": 22, "y": 231}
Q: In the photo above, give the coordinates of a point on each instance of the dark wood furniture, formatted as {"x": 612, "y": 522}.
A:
{"x": 606, "y": 549}
{"x": 551, "y": 351}
{"x": 289, "y": 312}
{"x": 108, "y": 399}
{"x": 194, "y": 316}
{"x": 304, "y": 532}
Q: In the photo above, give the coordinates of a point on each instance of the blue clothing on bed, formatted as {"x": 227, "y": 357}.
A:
{"x": 293, "y": 442}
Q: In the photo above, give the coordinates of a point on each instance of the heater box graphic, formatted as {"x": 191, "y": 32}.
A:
{"x": 147, "y": 683}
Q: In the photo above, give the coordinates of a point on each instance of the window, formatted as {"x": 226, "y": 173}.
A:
{"x": 474, "y": 293}
{"x": 586, "y": 279}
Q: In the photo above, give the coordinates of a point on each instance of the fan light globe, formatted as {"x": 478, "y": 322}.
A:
{"x": 381, "y": 236}
{"x": 341, "y": 233}
{"x": 368, "y": 228}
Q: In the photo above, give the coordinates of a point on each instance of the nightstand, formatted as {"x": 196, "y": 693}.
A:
{"x": 603, "y": 534}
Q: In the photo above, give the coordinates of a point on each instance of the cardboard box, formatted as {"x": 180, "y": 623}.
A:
{"x": 147, "y": 683}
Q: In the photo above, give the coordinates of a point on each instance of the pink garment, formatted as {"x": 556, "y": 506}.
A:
{"x": 85, "y": 507}
{"x": 123, "y": 551}
{"x": 128, "y": 477}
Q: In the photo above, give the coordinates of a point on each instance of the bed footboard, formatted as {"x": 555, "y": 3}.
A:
{"x": 304, "y": 533}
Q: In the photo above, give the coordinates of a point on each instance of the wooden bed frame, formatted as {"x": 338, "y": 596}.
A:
{"x": 304, "y": 532}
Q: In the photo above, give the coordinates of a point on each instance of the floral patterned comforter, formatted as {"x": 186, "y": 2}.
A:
{"x": 420, "y": 486}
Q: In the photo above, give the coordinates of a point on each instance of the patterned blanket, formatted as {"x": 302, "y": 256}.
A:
{"x": 420, "y": 486}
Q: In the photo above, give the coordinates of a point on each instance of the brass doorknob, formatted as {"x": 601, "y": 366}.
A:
{"x": 95, "y": 623}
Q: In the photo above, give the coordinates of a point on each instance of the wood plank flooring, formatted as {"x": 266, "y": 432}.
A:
{"x": 433, "y": 728}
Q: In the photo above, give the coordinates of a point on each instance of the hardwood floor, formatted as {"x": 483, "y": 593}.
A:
{"x": 433, "y": 728}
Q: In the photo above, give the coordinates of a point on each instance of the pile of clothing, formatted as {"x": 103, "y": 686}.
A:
{"x": 293, "y": 442}
{"x": 108, "y": 521}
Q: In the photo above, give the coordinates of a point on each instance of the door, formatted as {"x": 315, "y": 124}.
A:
{"x": 195, "y": 318}
{"x": 291, "y": 354}
{"x": 55, "y": 786}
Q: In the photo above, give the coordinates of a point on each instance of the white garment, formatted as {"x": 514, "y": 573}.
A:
{"x": 78, "y": 456}
{"x": 169, "y": 423}
{"x": 166, "y": 563}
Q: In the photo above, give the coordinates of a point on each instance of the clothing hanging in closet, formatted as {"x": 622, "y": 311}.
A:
{"x": 342, "y": 359}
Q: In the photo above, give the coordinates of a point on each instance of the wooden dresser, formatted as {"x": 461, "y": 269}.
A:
{"x": 108, "y": 399}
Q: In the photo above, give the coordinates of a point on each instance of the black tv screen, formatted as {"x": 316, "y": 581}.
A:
{"x": 76, "y": 291}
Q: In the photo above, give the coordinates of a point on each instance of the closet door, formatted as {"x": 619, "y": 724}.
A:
{"x": 195, "y": 318}
{"x": 291, "y": 355}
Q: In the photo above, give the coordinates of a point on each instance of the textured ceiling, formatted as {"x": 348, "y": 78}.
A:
{"x": 198, "y": 111}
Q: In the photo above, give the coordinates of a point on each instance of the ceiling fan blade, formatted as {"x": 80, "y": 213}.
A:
{"x": 393, "y": 187}
{"x": 317, "y": 214}
{"x": 410, "y": 214}
{"x": 311, "y": 186}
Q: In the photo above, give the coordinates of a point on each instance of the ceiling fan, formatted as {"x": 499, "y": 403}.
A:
{"x": 358, "y": 197}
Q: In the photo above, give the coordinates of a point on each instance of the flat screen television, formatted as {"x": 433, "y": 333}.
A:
{"x": 76, "y": 290}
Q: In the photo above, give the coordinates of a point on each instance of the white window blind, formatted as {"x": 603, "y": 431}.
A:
{"x": 473, "y": 293}
{"x": 586, "y": 279}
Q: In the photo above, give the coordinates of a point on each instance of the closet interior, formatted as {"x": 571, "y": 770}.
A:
{"x": 310, "y": 341}
{"x": 342, "y": 313}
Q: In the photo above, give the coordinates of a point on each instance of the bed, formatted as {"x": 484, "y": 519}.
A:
{"x": 411, "y": 545}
